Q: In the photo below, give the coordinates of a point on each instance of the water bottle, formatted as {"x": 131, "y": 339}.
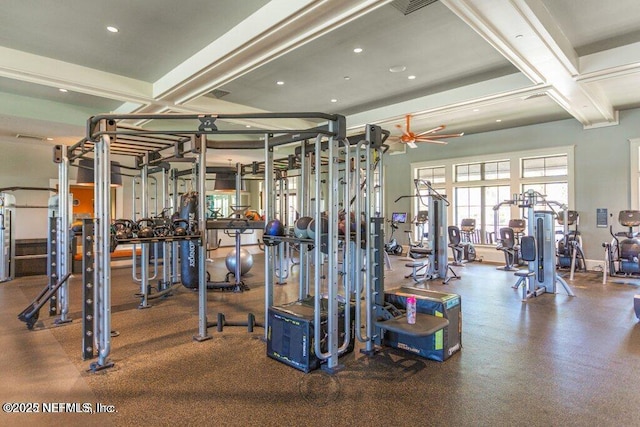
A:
{"x": 411, "y": 310}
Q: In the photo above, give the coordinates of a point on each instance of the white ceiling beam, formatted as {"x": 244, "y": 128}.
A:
{"x": 616, "y": 62}
{"x": 27, "y": 67}
{"x": 524, "y": 32}
{"x": 272, "y": 31}
{"x": 475, "y": 95}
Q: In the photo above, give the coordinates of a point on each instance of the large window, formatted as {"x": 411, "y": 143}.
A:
{"x": 480, "y": 184}
{"x": 544, "y": 166}
{"x": 483, "y": 192}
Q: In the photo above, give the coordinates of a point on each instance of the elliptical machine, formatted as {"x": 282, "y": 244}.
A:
{"x": 392, "y": 246}
{"x": 622, "y": 257}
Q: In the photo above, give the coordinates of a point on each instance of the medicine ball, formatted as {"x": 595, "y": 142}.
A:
{"x": 273, "y": 228}
{"x": 252, "y": 216}
{"x": 324, "y": 227}
{"x": 301, "y": 226}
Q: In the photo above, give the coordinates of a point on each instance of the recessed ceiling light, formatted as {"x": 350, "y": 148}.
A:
{"x": 63, "y": 90}
{"x": 49, "y": 138}
{"x": 247, "y": 126}
{"x": 112, "y": 29}
{"x": 357, "y": 50}
{"x": 519, "y": 36}
{"x": 499, "y": 120}
{"x": 475, "y": 110}
{"x": 347, "y": 78}
{"x": 397, "y": 69}
{"x": 279, "y": 82}
{"x": 334, "y": 100}
{"x": 411, "y": 77}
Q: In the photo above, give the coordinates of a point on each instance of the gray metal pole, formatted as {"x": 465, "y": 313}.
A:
{"x": 102, "y": 252}
{"x": 269, "y": 201}
{"x": 62, "y": 238}
{"x": 332, "y": 270}
{"x": 318, "y": 253}
{"x": 201, "y": 146}
{"x": 144, "y": 254}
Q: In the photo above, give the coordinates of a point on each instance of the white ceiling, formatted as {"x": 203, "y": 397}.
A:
{"x": 475, "y": 61}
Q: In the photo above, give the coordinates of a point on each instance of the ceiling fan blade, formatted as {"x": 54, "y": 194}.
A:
{"x": 408, "y": 117}
{"x": 450, "y": 135}
{"x": 436, "y": 129}
{"x": 412, "y": 144}
{"x": 433, "y": 141}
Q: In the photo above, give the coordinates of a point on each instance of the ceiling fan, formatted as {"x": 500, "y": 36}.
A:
{"x": 430, "y": 135}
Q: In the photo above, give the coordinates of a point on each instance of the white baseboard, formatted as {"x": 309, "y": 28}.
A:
{"x": 494, "y": 256}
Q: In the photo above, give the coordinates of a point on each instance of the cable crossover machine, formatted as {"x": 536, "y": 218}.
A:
{"x": 538, "y": 246}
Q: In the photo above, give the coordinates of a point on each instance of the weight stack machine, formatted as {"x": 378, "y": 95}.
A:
{"x": 7, "y": 236}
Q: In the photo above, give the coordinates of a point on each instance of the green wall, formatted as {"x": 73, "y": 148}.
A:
{"x": 602, "y": 166}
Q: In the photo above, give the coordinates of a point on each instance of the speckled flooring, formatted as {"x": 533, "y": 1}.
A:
{"x": 554, "y": 360}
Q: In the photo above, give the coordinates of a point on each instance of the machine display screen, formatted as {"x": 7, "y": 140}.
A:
{"x": 399, "y": 217}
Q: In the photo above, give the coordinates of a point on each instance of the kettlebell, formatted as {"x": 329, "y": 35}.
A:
{"x": 162, "y": 230}
{"x": 145, "y": 228}
{"x": 180, "y": 227}
{"x": 123, "y": 229}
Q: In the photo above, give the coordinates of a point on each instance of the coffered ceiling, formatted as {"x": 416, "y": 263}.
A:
{"x": 477, "y": 65}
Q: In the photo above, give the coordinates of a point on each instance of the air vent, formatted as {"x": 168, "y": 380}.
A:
{"x": 409, "y": 6}
{"x": 31, "y": 137}
{"x": 534, "y": 95}
{"x": 217, "y": 93}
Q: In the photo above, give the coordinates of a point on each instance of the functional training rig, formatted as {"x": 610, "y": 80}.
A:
{"x": 326, "y": 145}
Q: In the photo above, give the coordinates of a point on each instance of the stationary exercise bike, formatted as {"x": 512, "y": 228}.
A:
{"x": 509, "y": 244}
{"x": 623, "y": 253}
{"x": 467, "y": 229}
{"x": 419, "y": 249}
{"x": 392, "y": 247}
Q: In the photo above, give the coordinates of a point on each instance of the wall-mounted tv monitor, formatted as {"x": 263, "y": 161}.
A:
{"x": 399, "y": 217}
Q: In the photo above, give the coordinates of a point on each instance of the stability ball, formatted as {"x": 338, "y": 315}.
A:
{"x": 246, "y": 261}
{"x": 301, "y": 226}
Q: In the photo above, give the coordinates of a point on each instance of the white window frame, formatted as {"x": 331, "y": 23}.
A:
{"x": 634, "y": 157}
{"x": 516, "y": 181}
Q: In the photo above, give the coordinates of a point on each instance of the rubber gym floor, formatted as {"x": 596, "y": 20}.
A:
{"x": 551, "y": 361}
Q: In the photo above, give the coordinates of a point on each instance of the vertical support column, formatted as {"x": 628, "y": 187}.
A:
{"x": 238, "y": 237}
{"x": 375, "y": 287}
{"x": 269, "y": 202}
{"x": 304, "y": 199}
{"x": 443, "y": 261}
{"x": 62, "y": 239}
{"x": 144, "y": 249}
{"x": 87, "y": 290}
{"x": 52, "y": 262}
{"x": 102, "y": 273}
{"x": 332, "y": 269}
{"x": 174, "y": 246}
{"x": 200, "y": 142}
{"x": 166, "y": 246}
